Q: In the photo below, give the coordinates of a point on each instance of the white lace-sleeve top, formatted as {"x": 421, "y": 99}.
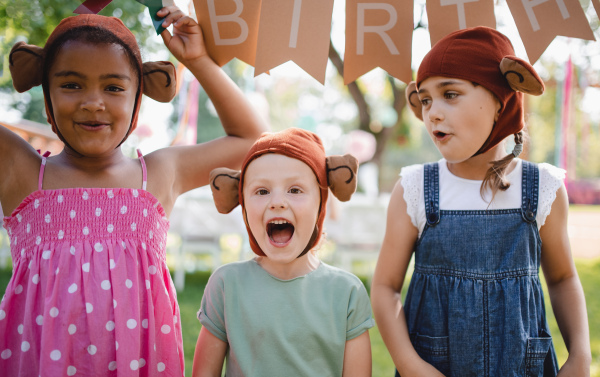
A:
{"x": 463, "y": 194}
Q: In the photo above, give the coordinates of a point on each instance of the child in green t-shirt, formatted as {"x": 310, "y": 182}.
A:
{"x": 284, "y": 312}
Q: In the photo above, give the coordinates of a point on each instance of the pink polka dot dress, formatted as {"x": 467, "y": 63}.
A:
{"x": 90, "y": 294}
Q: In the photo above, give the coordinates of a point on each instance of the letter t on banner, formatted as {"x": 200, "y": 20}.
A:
{"x": 230, "y": 28}
{"x": 446, "y": 16}
{"x": 539, "y": 21}
{"x": 296, "y": 30}
{"x": 378, "y": 34}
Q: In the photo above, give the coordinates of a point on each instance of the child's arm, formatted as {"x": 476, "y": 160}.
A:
{"x": 357, "y": 357}
{"x": 19, "y": 170}
{"x": 188, "y": 167}
{"x": 209, "y": 355}
{"x": 394, "y": 257}
{"x": 564, "y": 287}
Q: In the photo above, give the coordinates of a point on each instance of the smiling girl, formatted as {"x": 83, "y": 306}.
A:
{"x": 91, "y": 293}
{"x": 480, "y": 223}
{"x": 284, "y": 313}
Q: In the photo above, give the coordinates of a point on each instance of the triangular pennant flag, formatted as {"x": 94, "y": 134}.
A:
{"x": 92, "y": 6}
{"x": 446, "y": 16}
{"x": 597, "y": 7}
{"x": 153, "y": 7}
{"x": 540, "y": 21}
{"x": 296, "y": 30}
{"x": 378, "y": 34}
{"x": 230, "y": 28}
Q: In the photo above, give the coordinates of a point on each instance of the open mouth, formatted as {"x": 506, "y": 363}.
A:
{"x": 439, "y": 135}
{"x": 280, "y": 231}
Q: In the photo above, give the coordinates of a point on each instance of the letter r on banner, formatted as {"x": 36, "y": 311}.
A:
{"x": 379, "y": 30}
{"x": 234, "y": 17}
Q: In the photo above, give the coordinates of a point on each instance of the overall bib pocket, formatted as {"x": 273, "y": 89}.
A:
{"x": 537, "y": 350}
{"x": 434, "y": 350}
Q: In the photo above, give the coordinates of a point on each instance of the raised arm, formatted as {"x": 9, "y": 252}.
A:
{"x": 192, "y": 164}
{"x": 394, "y": 257}
{"x": 19, "y": 170}
{"x": 564, "y": 288}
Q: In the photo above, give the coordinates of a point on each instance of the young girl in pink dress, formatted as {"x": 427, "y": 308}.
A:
{"x": 91, "y": 294}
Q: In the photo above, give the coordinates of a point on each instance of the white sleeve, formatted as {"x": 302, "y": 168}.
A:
{"x": 551, "y": 178}
{"x": 412, "y": 183}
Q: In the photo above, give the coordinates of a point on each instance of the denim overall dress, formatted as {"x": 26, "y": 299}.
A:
{"x": 475, "y": 305}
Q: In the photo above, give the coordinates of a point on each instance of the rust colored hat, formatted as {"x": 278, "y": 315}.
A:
{"x": 335, "y": 172}
{"x": 27, "y": 64}
{"x": 484, "y": 56}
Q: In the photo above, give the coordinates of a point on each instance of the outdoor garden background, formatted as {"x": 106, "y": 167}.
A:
{"x": 367, "y": 118}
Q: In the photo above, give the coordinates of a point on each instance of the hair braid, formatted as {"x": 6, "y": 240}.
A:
{"x": 495, "y": 177}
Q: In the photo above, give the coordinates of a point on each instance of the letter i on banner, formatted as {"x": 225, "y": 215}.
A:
{"x": 378, "y": 34}
{"x": 230, "y": 28}
{"x": 539, "y": 21}
{"x": 446, "y": 16}
{"x": 296, "y": 30}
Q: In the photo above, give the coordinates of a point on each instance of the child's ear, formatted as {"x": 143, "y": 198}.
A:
{"x": 26, "y": 64}
{"x": 341, "y": 175}
{"x": 521, "y": 76}
{"x": 412, "y": 99}
{"x": 160, "y": 81}
{"x": 224, "y": 184}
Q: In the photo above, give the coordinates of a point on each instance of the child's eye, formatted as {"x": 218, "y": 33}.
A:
{"x": 425, "y": 101}
{"x": 70, "y": 85}
{"x": 114, "y": 88}
{"x": 262, "y": 192}
{"x": 450, "y": 95}
{"x": 295, "y": 190}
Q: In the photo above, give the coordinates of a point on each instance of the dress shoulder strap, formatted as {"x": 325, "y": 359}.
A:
{"x": 431, "y": 191}
{"x": 144, "y": 174}
{"x": 42, "y": 169}
{"x": 530, "y": 191}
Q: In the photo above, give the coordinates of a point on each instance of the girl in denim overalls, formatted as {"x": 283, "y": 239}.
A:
{"x": 480, "y": 223}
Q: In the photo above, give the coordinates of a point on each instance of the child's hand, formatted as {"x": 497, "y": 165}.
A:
{"x": 187, "y": 42}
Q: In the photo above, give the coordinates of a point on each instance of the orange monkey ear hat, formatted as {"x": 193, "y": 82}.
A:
{"x": 337, "y": 173}
{"x": 486, "y": 57}
{"x": 29, "y": 65}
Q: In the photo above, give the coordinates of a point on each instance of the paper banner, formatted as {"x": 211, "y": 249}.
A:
{"x": 296, "y": 30}
{"x": 540, "y": 21}
{"x": 92, "y": 6}
{"x": 446, "y": 16}
{"x": 597, "y": 7}
{"x": 230, "y": 28}
{"x": 95, "y": 6}
{"x": 378, "y": 34}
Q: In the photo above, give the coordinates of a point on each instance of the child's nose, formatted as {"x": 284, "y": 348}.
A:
{"x": 278, "y": 201}
{"x": 435, "y": 114}
{"x": 92, "y": 101}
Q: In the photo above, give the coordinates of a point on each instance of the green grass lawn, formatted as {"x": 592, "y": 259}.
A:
{"x": 189, "y": 301}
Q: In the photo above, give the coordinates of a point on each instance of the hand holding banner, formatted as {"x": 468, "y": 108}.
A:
{"x": 378, "y": 34}
{"x": 540, "y": 21}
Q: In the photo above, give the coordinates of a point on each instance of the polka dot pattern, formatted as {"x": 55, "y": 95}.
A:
{"x": 94, "y": 252}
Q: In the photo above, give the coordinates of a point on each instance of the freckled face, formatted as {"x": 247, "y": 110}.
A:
{"x": 92, "y": 89}
{"x": 459, "y": 115}
{"x": 281, "y": 200}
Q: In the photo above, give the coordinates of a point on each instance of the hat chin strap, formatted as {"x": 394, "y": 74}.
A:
{"x": 311, "y": 242}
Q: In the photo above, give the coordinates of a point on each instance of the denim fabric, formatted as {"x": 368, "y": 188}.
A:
{"x": 475, "y": 305}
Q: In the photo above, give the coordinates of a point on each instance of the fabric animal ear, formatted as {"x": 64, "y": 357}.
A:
{"x": 412, "y": 99}
{"x": 26, "y": 64}
{"x": 341, "y": 175}
{"x": 521, "y": 76}
{"x": 160, "y": 82}
{"x": 224, "y": 184}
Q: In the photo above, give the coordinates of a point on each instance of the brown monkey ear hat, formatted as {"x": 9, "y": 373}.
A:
{"x": 337, "y": 173}
{"x": 27, "y": 62}
{"x": 484, "y": 56}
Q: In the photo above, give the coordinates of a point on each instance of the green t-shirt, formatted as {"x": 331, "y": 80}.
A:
{"x": 274, "y": 327}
